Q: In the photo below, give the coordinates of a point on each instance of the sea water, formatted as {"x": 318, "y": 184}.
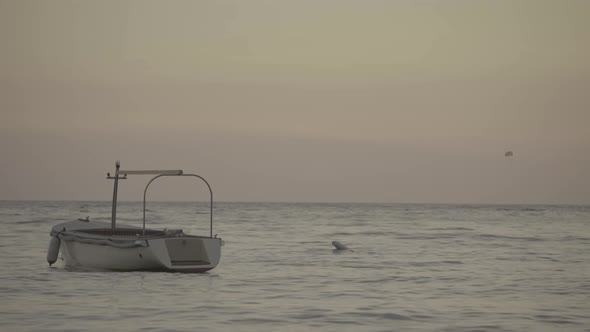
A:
{"x": 412, "y": 268}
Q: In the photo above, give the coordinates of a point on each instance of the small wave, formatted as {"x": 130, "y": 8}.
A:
{"x": 375, "y": 233}
{"x": 368, "y": 233}
{"x": 575, "y": 238}
{"x": 483, "y": 328}
{"x": 342, "y": 234}
{"x": 421, "y": 317}
{"x": 392, "y": 316}
{"x": 555, "y": 319}
{"x": 430, "y": 236}
{"x": 451, "y": 229}
{"x": 343, "y": 321}
{"x": 551, "y": 259}
{"x": 434, "y": 263}
{"x": 375, "y": 281}
{"x": 256, "y": 320}
{"x": 308, "y": 316}
{"x": 561, "y": 321}
{"x": 316, "y": 314}
{"x": 386, "y": 315}
{"x": 24, "y": 222}
{"x": 507, "y": 237}
{"x": 520, "y": 208}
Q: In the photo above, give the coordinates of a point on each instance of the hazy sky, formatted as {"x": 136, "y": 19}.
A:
{"x": 319, "y": 100}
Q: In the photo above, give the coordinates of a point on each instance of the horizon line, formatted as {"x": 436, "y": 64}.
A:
{"x": 302, "y": 202}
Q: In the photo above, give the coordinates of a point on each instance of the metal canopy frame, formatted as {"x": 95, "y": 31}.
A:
{"x": 159, "y": 174}
{"x": 181, "y": 174}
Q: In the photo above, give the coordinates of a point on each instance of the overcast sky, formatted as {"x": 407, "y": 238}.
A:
{"x": 323, "y": 100}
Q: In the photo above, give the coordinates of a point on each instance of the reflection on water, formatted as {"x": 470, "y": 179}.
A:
{"x": 414, "y": 267}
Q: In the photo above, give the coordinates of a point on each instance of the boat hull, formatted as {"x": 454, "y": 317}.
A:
{"x": 173, "y": 254}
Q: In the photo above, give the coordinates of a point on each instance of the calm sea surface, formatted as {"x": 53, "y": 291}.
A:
{"x": 413, "y": 268}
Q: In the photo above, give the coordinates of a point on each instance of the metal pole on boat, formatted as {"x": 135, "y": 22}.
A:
{"x": 114, "y": 210}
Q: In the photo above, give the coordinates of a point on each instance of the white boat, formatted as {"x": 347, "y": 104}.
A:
{"x": 100, "y": 245}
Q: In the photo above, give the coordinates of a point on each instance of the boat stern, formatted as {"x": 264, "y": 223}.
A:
{"x": 187, "y": 253}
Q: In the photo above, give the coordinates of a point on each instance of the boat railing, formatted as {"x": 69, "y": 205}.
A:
{"x": 181, "y": 174}
{"x": 159, "y": 174}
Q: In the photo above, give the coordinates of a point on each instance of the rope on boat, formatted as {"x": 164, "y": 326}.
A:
{"x": 108, "y": 242}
